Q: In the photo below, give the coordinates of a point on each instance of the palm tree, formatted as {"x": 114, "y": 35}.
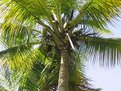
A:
{"x": 53, "y": 31}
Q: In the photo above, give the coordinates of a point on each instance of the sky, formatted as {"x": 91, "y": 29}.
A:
{"x": 104, "y": 78}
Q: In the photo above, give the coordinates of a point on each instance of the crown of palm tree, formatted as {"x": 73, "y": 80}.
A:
{"x": 35, "y": 31}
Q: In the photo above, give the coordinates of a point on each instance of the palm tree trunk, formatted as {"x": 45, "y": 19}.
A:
{"x": 63, "y": 73}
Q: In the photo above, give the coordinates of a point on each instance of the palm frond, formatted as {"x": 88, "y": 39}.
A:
{"x": 106, "y": 50}
{"x": 19, "y": 14}
{"x": 19, "y": 35}
{"x": 8, "y": 82}
{"x": 97, "y": 13}
{"x": 19, "y": 57}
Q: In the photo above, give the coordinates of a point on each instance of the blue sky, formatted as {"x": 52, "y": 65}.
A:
{"x": 107, "y": 79}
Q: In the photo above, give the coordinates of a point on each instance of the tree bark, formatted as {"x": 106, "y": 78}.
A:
{"x": 63, "y": 73}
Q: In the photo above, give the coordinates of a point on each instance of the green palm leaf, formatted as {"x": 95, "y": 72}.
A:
{"x": 106, "y": 50}
{"x": 97, "y": 13}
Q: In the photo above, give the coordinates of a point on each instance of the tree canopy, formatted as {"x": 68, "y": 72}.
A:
{"x": 36, "y": 32}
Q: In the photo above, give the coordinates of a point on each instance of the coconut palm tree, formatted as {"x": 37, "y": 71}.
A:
{"x": 52, "y": 32}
